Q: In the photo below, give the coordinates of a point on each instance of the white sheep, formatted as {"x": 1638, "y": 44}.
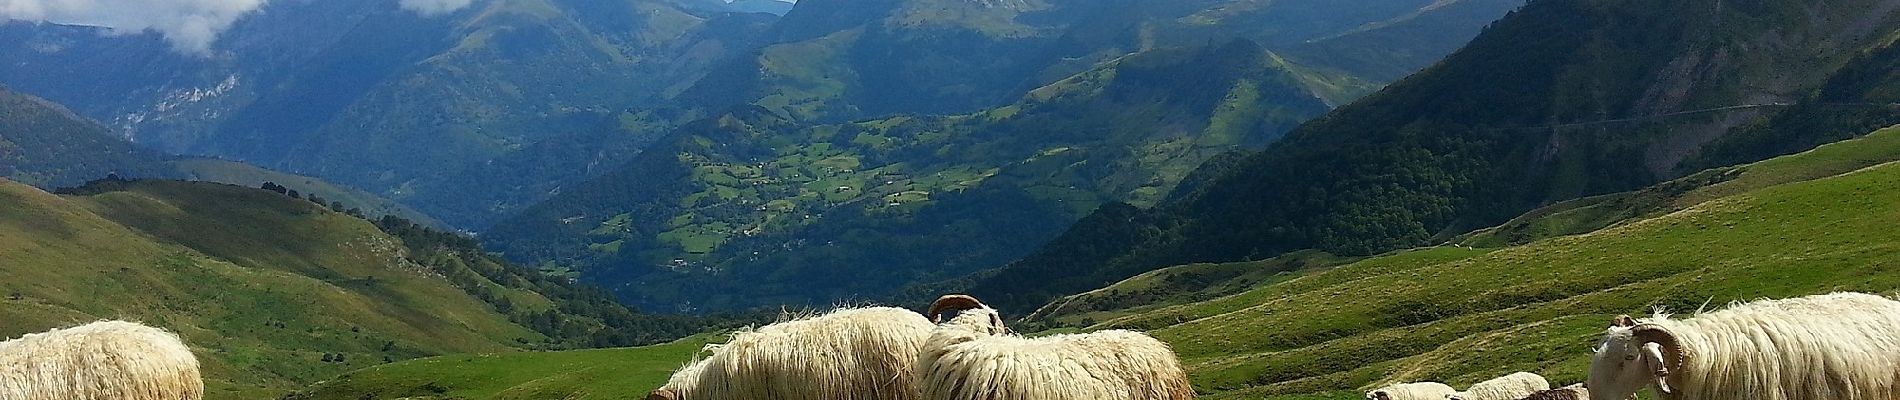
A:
{"x": 1411, "y": 391}
{"x": 1841, "y": 346}
{"x": 1572, "y": 392}
{"x": 114, "y": 360}
{"x": 973, "y": 357}
{"x": 1509, "y": 387}
{"x": 848, "y": 354}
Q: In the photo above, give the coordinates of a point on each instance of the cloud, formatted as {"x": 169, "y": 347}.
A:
{"x": 430, "y": 7}
{"x": 189, "y": 25}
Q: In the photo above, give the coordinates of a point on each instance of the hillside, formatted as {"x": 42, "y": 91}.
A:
{"x": 275, "y": 292}
{"x": 754, "y": 209}
{"x": 1313, "y": 326}
{"x": 1560, "y": 100}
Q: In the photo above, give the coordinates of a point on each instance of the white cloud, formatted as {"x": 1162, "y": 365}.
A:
{"x": 189, "y": 25}
{"x": 431, "y": 7}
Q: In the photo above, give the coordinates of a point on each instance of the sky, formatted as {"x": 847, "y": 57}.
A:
{"x": 190, "y": 26}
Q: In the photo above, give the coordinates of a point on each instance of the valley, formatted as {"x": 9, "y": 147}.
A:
{"x": 1290, "y": 199}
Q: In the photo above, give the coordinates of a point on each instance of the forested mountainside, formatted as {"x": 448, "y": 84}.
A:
{"x": 1561, "y": 99}
{"x": 754, "y": 209}
{"x": 275, "y": 291}
{"x": 832, "y": 60}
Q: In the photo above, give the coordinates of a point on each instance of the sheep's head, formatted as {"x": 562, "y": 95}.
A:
{"x": 1633, "y": 356}
{"x": 970, "y": 314}
{"x": 662, "y": 394}
{"x": 1458, "y": 396}
{"x": 1378, "y": 395}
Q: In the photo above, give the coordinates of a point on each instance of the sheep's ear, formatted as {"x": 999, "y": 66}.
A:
{"x": 1653, "y": 356}
{"x": 662, "y": 394}
{"x": 1622, "y": 321}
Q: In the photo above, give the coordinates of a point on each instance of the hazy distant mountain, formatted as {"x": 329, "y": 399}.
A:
{"x": 45, "y": 145}
{"x": 414, "y": 107}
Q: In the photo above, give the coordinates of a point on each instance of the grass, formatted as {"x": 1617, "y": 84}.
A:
{"x": 579, "y": 375}
{"x": 260, "y": 285}
{"x": 1461, "y": 315}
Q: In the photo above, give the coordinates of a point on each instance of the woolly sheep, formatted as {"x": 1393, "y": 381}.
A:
{"x": 1509, "y": 387}
{"x": 114, "y": 360}
{"x": 1572, "y": 392}
{"x": 1411, "y": 391}
{"x": 848, "y": 354}
{"x": 974, "y": 357}
{"x": 1841, "y": 346}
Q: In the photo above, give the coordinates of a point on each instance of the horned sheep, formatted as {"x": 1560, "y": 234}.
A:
{"x": 848, "y": 354}
{"x": 1411, "y": 391}
{"x": 1841, "y": 346}
{"x": 974, "y": 357}
{"x": 1509, "y": 387}
{"x": 102, "y": 360}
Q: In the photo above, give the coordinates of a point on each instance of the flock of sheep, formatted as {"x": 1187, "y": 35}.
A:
{"x": 1842, "y": 346}
{"x": 886, "y": 353}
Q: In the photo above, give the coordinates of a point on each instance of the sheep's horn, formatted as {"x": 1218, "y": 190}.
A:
{"x": 1674, "y": 356}
{"x": 662, "y": 394}
{"x": 952, "y": 302}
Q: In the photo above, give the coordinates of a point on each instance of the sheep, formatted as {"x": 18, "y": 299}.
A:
{"x": 102, "y": 360}
{"x": 1572, "y": 392}
{"x": 1840, "y": 346}
{"x": 848, "y": 354}
{"x": 1509, "y": 387}
{"x": 1411, "y": 391}
{"x": 974, "y": 357}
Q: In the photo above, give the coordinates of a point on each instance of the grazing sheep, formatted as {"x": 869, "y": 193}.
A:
{"x": 973, "y": 357}
{"x": 1411, "y": 391}
{"x": 1509, "y": 387}
{"x": 114, "y": 360}
{"x": 1572, "y": 392}
{"x": 1842, "y": 346}
{"x": 849, "y": 354}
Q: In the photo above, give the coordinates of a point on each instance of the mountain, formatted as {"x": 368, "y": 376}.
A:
{"x": 45, "y": 145}
{"x": 419, "y": 108}
{"x": 754, "y": 209}
{"x": 1562, "y": 99}
{"x": 1314, "y": 326}
{"x": 833, "y": 60}
{"x": 274, "y": 292}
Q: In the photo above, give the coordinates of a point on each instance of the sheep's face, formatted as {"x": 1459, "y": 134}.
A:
{"x": 1457, "y": 396}
{"x": 1378, "y": 395}
{"x": 1621, "y": 366}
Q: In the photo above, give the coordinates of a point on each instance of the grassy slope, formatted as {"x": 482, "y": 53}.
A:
{"x": 1801, "y": 224}
{"x": 262, "y": 286}
{"x": 1465, "y": 314}
{"x": 580, "y": 375}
